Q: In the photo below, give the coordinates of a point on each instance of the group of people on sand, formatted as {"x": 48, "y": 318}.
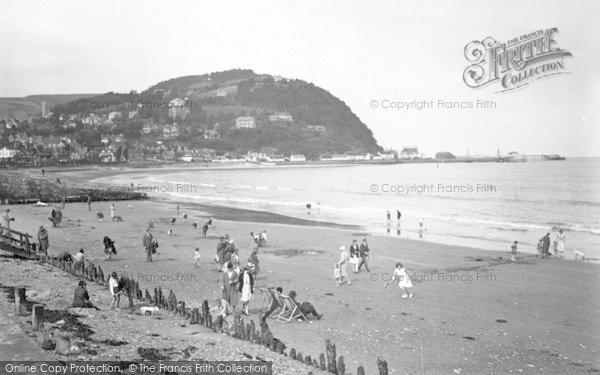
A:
{"x": 228, "y": 254}
{"x": 259, "y": 238}
{"x": 116, "y": 286}
{"x": 544, "y": 244}
{"x": 357, "y": 257}
{"x": 558, "y": 246}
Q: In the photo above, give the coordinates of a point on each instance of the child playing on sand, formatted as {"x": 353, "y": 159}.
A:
{"x": 197, "y": 257}
{"x": 513, "y": 251}
{"x": 402, "y": 276}
{"x": 337, "y": 274}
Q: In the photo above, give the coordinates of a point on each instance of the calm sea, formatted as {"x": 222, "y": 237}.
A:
{"x": 484, "y": 205}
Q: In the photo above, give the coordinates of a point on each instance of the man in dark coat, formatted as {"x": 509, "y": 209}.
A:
{"x": 364, "y": 255}
{"x": 148, "y": 245}
{"x": 81, "y": 297}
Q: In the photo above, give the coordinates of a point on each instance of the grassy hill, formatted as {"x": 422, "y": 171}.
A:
{"x": 215, "y": 100}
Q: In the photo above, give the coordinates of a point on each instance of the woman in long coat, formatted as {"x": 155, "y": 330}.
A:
{"x": 230, "y": 286}
{"x": 43, "y": 239}
{"x": 246, "y": 288}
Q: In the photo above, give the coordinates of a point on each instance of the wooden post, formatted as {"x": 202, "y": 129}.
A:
{"x": 205, "y": 312}
{"x": 128, "y": 285}
{"x": 360, "y": 370}
{"x": 331, "y": 363}
{"x": 20, "y": 308}
{"x": 299, "y": 357}
{"x": 322, "y": 363}
{"x": 37, "y": 316}
{"x": 252, "y": 329}
{"x": 100, "y": 275}
{"x": 195, "y": 316}
{"x": 182, "y": 311}
{"x": 382, "y": 366}
{"x": 341, "y": 367}
{"x": 156, "y": 299}
{"x": 315, "y": 363}
{"x": 308, "y": 360}
{"x": 293, "y": 353}
{"x": 172, "y": 301}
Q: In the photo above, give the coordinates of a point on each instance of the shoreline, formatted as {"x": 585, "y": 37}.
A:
{"x": 101, "y": 180}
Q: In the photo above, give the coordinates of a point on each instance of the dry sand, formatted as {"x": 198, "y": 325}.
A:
{"x": 472, "y": 313}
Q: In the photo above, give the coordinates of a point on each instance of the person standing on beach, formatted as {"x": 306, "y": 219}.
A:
{"x": 230, "y": 286}
{"x": 115, "y": 290}
{"x": 513, "y": 251}
{"x": 343, "y": 263}
{"x": 546, "y": 244}
{"x": 204, "y": 230}
{"x": 89, "y": 202}
{"x": 560, "y": 243}
{"x": 43, "y": 239}
{"x": 246, "y": 288}
{"x": 388, "y": 217}
{"x": 220, "y": 249}
{"x": 147, "y": 241}
{"x": 253, "y": 262}
{"x": 197, "y": 257}
{"x": 364, "y": 255}
{"x": 398, "y": 215}
{"x": 59, "y": 216}
{"x": 354, "y": 256}
{"x": 78, "y": 261}
{"x": 540, "y": 249}
{"x": 112, "y": 212}
{"x": 235, "y": 260}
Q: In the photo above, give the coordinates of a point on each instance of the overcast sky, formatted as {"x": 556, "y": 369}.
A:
{"x": 360, "y": 51}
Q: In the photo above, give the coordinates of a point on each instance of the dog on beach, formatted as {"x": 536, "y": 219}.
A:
{"x": 99, "y": 216}
{"x": 579, "y": 254}
{"x": 149, "y": 310}
{"x": 117, "y": 218}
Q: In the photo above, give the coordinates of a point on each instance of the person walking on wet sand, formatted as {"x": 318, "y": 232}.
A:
{"x": 388, "y": 217}
{"x": 147, "y": 241}
{"x": 343, "y": 263}
{"x": 513, "y": 251}
{"x": 204, "y": 230}
{"x": 546, "y": 244}
{"x": 89, "y": 202}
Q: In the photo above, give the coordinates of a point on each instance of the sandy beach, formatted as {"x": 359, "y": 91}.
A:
{"x": 473, "y": 310}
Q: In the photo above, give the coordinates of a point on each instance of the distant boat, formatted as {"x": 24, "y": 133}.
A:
{"x": 40, "y": 204}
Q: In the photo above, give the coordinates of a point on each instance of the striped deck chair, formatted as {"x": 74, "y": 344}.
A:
{"x": 290, "y": 311}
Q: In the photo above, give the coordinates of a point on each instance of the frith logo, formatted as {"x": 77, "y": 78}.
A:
{"x": 515, "y": 63}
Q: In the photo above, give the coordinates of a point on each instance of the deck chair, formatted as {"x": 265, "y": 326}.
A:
{"x": 268, "y": 300}
{"x": 290, "y": 311}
